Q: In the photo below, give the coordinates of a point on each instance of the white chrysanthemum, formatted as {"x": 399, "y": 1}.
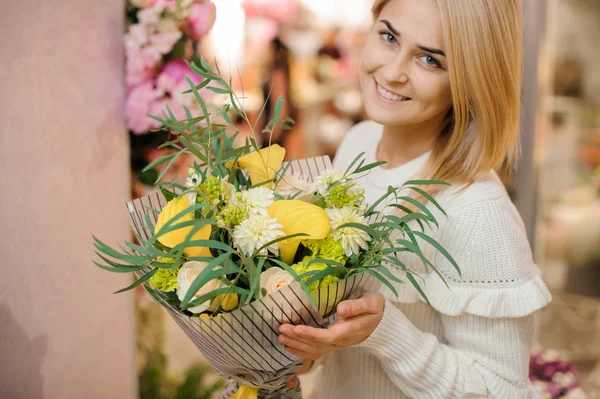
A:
{"x": 352, "y": 238}
{"x": 257, "y": 200}
{"x": 254, "y": 232}
{"x": 326, "y": 178}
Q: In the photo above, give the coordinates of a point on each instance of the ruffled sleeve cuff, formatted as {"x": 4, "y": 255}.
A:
{"x": 514, "y": 301}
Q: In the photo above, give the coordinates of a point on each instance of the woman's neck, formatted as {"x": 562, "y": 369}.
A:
{"x": 401, "y": 144}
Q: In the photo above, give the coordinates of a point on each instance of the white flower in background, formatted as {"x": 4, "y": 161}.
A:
{"x": 352, "y": 238}
{"x": 326, "y": 178}
{"x": 254, "y": 232}
{"x": 257, "y": 200}
{"x": 136, "y": 37}
{"x": 186, "y": 276}
{"x": 193, "y": 180}
{"x": 148, "y": 16}
{"x": 275, "y": 279}
{"x": 292, "y": 186}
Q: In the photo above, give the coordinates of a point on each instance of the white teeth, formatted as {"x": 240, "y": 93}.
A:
{"x": 388, "y": 95}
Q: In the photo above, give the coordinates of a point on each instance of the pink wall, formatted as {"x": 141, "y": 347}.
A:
{"x": 63, "y": 175}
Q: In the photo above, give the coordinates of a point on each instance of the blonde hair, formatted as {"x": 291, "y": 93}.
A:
{"x": 483, "y": 40}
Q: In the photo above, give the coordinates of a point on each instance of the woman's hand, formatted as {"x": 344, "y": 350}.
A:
{"x": 359, "y": 318}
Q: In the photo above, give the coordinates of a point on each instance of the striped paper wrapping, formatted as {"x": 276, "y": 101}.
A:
{"x": 242, "y": 345}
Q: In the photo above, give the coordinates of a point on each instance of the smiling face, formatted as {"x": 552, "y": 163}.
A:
{"x": 404, "y": 72}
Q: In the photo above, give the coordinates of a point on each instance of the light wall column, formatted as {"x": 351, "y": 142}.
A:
{"x": 64, "y": 173}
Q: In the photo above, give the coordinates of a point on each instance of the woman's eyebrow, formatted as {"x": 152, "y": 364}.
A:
{"x": 424, "y": 48}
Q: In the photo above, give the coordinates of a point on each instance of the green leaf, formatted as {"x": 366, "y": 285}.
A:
{"x": 429, "y": 198}
{"x": 235, "y": 106}
{"x": 384, "y": 270}
{"x": 214, "y": 294}
{"x": 157, "y": 162}
{"x": 319, "y": 275}
{"x": 441, "y": 249}
{"x": 278, "y": 106}
{"x": 166, "y": 168}
{"x": 419, "y": 205}
{"x": 204, "y": 277}
{"x": 370, "y": 231}
{"x": 354, "y": 161}
{"x": 120, "y": 269}
{"x": 205, "y": 65}
{"x": 150, "y": 251}
{"x": 368, "y": 167}
{"x": 200, "y": 101}
{"x": 199, "y": 87}
{"x": 169, "y": 195}
{"x": 170, "y": 225}
{"x": 139, "y": 281}
{"x": 383, "y": 280}
{"x": 133, "y": 259}
{"x": 418, "y": 287}
{"x": 281, "y": 239}
{"x": 204, "y": 243}
{"x": 218, "y": 90}
{"x": 379, "y": 201}
{"x": 408, "y": 211}
{"x": 426, "y": 183}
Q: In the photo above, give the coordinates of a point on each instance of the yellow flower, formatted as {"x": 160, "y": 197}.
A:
{"x": 262, "y": 164}
{"x": 298, "y": 217}
{"x": 227, "y": 302}
{"x": 177, "y": 236}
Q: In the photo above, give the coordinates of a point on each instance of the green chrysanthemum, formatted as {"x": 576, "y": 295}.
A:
{"x": 165, "y": 279}
{"x": 303, "y": 267}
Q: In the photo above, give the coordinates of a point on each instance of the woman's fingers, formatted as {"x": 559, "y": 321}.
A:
{"x": 303, "y": 354}
{"x": 303, "y": 346}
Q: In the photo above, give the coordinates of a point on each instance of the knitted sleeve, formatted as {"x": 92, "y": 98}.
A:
{"x": 486, "y": 313}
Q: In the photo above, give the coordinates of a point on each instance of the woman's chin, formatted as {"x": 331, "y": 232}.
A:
{"x": 387, "y": 118}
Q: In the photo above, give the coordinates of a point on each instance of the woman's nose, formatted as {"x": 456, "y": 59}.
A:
{"x": 397, "y": 70}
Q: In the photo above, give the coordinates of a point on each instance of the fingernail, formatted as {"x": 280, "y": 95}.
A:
{"x": 342, "y": 308}
{"x": 285, "y": 329}
{"x": 283, "y": 339}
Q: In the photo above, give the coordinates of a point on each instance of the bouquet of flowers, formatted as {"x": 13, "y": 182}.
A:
{"x": 249, "y": 242}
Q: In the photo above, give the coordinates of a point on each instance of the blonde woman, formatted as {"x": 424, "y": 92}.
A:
{"x": 441, "y": 83}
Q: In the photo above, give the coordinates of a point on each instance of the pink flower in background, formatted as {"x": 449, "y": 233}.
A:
{"x": 139, "y": 104}
{"x": 201, "y": 19}
{"x": 173, "y": 73}
{"x": 284, "y": 11}
{"x": 140, "y": 66}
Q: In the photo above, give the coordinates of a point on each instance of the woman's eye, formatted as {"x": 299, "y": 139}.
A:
{"x": 387, "y": 37}
{"x": 430, "y": 61}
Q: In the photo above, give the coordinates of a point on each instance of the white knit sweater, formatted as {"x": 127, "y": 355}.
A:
{"x": 475, "y": 339}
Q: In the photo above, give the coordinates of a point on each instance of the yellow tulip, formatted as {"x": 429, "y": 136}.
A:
{"x": 227, "y": 302}
{"x": 298, "y": 216}
{"x": 177, "y": 236}
{"x": 261, "y": 165}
